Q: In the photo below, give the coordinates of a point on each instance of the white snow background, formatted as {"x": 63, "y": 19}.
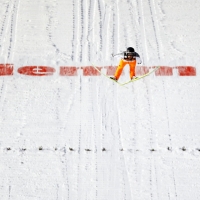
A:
{"x": 85, "y": 137}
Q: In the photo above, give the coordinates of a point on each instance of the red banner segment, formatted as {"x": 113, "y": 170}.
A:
{"x": 6, "y": 69}
{"x": 110, "y": 70}
{"x": 68, "y": 71}
{"x": 186, "y": 71}
{"x": 164, "y": 71}
{"x": 36, "y": 70}
{"x": 141, "y": 70}
{"x": 90, "y": 71}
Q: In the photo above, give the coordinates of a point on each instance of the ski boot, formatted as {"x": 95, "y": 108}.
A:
{"x": 134, "y": 77}
{"x": 113, "y": 78}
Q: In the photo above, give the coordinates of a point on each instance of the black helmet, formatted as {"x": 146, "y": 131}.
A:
{"x": 130, "y": 50}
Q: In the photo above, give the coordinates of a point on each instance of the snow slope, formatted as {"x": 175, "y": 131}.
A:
{"x": 84, "y": 137}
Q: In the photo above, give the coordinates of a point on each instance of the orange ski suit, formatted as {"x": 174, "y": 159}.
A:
{"x": 122, "y": 63}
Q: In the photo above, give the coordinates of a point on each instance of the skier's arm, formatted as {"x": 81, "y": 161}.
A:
{"x": 118, "y": 54}
{"x": 137, "y": 57}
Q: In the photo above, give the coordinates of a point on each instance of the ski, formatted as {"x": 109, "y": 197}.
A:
{"x": 121, "y": 84}
{"x": 133, "y": 80}
{"x": 140, "y": 77}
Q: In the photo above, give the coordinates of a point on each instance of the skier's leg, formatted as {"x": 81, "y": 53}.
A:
{"x": 132, "y": 68}
{"x": 119, "y": 69}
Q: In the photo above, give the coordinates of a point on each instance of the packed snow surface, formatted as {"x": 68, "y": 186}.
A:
{"x": 85, "y": 137}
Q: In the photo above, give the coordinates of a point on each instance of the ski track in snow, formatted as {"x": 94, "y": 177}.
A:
{"x": 73, "y": 31}
{"x": 3, "y": 29}
{"x": 153, "y": 14}
{"x": 8, "y": 30}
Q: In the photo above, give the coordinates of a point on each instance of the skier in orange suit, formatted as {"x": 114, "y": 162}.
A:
{"x": 130, "y": 57}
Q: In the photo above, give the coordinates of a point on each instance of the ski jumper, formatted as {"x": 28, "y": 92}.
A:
{"x": 132, "y": 63}
{"x": 122, "y": 63}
